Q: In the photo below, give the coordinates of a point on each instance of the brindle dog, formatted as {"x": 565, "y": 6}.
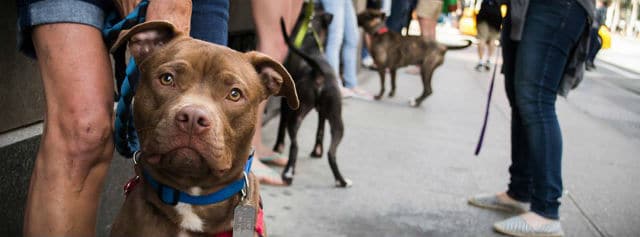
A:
{"x": 391, "y": 50}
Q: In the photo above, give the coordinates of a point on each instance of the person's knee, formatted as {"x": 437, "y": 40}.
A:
{"x": 86, "y": 134}
{"x": 534, "y": 108}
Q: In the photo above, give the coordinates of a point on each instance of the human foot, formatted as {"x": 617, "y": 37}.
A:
{"x": 346, "y": 92}
{"x": 360, "y": 93}
{"x": 266, "y": 175}
{"x": 268, "y": 156}
{"x": 500, "y": 201}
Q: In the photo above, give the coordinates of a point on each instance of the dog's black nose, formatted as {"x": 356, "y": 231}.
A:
{"x": 193, "y": 120}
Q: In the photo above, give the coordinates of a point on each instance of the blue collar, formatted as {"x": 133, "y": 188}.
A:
{"x": 172, "y": 196}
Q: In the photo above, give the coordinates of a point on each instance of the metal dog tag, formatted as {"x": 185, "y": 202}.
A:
{"x": 244, "y": 216}
{"x": 244, "y": 220}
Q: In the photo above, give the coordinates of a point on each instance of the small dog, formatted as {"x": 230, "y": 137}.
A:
{"x": 195, "y": 112}
{"x": 317, "y": 87}
{"x": 390, "y": 50}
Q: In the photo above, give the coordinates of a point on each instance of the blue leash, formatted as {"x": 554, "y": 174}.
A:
{"x": 126, "y": 137}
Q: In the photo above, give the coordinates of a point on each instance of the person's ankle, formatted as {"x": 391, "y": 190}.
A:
{"x": 504, "y": 196}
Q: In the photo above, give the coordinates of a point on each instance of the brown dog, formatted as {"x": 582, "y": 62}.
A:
{"x": 391, "y": 50}
{"x": 195, "y": 113}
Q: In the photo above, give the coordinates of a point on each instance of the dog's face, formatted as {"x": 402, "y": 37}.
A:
{"x": 370, "y": 20}
{"x": 195, "y": 107}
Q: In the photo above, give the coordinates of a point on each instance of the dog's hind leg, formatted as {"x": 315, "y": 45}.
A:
{"x": 381, "y": 72}
{"x": 285, "y": 112}
{"x": 292, "y": 127}
{"x": 317, "y": 148}
{"x": 426, "y": 71}
{"x": 393, "y": 82}
{"x": 337, "y": 131}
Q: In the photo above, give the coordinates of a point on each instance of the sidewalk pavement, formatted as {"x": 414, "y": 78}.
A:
{"x": 624, "y": 53}
{"x": 413, "y": 168}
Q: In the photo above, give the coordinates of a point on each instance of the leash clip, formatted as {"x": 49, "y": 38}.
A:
{"x": 245, "y": 190}
{"x": 136, "y": 157}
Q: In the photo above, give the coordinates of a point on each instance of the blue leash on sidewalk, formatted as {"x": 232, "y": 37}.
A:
{"x": 126, "y": 137}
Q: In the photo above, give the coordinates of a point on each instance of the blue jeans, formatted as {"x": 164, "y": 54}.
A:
{"x": 594, "y": 46}
{"x": 209, "y": 20}
{"x": 533, "y": 68}
{"x": 400, "y": 13}
{"x": 343, "y": 35}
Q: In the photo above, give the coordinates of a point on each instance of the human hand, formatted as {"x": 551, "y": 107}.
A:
{"x": 178, "y": 12}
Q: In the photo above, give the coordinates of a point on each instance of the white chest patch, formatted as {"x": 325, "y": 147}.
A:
{"x": 190, "y": 221}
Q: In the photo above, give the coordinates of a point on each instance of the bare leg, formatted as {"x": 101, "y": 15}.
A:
{"x": 267, "y": 17}
{"x": 427, "y": 27}
{"x": 76, "y": 146}
{"x": 481, "y": 50}
{"x": 490, "y": 49}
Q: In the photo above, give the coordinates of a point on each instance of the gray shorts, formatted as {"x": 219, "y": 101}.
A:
{"x": 32, "y": 13}
{"x": 486, "y": 33}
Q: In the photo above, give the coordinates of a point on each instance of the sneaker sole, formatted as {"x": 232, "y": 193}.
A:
{"x": 506, "y": 232}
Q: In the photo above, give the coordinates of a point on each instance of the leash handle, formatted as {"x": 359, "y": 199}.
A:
{"x": 487, "y": 108}
{"x": 125, "y": 135}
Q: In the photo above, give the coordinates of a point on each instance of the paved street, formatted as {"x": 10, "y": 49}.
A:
{"x": 413, "y": 169}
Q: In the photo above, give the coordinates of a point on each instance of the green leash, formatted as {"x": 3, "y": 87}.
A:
{"x": 304, "y": 28}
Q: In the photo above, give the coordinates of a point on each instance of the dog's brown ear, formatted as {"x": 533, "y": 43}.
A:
{"x": 275, "y": 78}
{"x": 146, "y": 37}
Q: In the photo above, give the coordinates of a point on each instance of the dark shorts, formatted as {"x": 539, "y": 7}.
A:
{"x": 32, "y": 13}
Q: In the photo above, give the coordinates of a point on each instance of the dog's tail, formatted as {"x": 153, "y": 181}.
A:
{"x": 456, "y": 47}
{"x": 309, "y": 59}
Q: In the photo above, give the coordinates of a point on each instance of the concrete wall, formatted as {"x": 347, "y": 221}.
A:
{"x": 21, "y": 104}
{"x": 21, "y": 97}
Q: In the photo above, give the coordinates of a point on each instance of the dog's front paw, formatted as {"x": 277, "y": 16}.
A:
{"x": 378, "y": 97}
{"x": 346, "y": 183}
{"x": 287, "y": 177}
{"x": 413, "y": 102}
{"x": 279, "y": 147}
{"x": 317, "y": 152}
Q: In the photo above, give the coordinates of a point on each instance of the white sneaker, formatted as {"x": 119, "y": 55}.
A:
{"x": 367, "y": 62}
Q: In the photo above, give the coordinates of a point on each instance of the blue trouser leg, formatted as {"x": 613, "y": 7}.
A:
{"x": 400, "y": 11}
{"x": 209, "y": 20}
{"x": 594, "y": 46}
{"x": 520, "y": 180}
{"x": 350, "y": 46}
{"x": 534, "y": 68}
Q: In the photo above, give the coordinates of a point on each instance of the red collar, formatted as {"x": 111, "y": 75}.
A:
{"x": 382, "y": 30}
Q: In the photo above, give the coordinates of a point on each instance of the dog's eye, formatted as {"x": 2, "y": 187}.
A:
{"x": 166, "y": 79}
{"x": 234, "y": 95}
